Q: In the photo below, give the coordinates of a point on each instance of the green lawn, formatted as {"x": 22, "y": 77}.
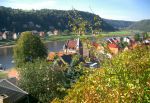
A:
{"x": 64, "y": 37}
{"x": 3, "y": 75}
{"x": 116, "y": 33}
{"x": 7, "y": 42}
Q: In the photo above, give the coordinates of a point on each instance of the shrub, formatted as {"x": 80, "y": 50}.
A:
{"x": 42, "y": 80}
{"x": 123, "y": 79}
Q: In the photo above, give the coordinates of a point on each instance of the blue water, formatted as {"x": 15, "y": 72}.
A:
{"x": 6, "y": 54}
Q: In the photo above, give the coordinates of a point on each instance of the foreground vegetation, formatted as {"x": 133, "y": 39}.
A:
{"x": 125, "y": 79}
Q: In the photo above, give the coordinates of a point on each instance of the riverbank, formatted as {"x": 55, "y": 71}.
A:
{"x": 7, "y": 44}
{"x": 47, "y": 39}
{"x": 9, "y": 73}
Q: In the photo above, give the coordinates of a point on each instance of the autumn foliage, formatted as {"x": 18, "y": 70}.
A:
{"x": 123, "y": 79}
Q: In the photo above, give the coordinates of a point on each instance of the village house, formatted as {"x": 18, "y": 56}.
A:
{"x": 114, "y": 48}
{"x": 113, "y": 40}
{"x": 4, "y": 35}
{"x": 49, "y": 33}
{"x": 41, "y": 34}
{"x": 9, "y": 35}
{"x": 63, "y": 58}
{"x": 127, "y": 39}
{"x": 73, "y": 46}
{"x": 55, "y": 32}
{"x": 10, "y": 93}
{"x": 98, "y": 47}
{"x": 15, "y": 36}
{"x": 146, "y": 42}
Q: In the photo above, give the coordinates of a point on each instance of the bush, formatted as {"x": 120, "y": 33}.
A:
{"x": 42, "y": 80}
{"x": 123, "y": 79}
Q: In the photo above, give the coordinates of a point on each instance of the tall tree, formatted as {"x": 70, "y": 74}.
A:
{"x": 42, "y": 80}
{"x": 28, "y": 48}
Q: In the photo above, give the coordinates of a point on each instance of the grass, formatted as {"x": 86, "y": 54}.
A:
{"x": 64, "y": 37}
{"x": 116, "y": 33}
{"x": 7, "y": 42}
{"x": 3, "y": 75}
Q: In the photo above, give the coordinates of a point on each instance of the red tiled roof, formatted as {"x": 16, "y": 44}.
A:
{"x": 112, "y": 45}
{"x": 51, "y": 55}
{"x": 71, "y": 44}
{"x": 95, "y": 44}
{"x": 60, "y": 53}
{"x": 116, "y": 41}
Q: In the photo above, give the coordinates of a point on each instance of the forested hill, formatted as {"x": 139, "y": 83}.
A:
{"x": 42, "y": 20}
{"x": 143, "y": 25}
{"x": 119, "y": 24}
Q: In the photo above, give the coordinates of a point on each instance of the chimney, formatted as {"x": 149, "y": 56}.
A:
{"x": 3, "y": 98}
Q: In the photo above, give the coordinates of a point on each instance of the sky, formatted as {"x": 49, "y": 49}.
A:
{"x": 131, "y": 10}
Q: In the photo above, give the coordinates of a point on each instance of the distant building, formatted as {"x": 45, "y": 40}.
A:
{"x": 63, "y": 58}
{"x": 113, "y": 40}
{"x": 7, "y": 35}
{"x": 127, "y": 39}
{"x": 15, "y": 36}
{"x": 114, "y": 48}
{"x": 73, "y": 46}
{"x": 55, "y": 32}
{"x": 49, "y": 33}
{"x": 146, "y": 42}
{"x": 98, "y": 47}
{"x": 4, "y": 36}
{"x": 41, "y": 34}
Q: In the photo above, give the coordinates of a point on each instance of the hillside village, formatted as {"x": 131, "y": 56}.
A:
{"x": 114, "y": 46}
{"x": 73, "y": 56}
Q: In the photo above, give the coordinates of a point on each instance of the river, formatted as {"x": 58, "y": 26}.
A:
{"x": 6, "y": 53}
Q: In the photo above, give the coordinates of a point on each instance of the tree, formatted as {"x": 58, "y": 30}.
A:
{"x": 96, "y": 26}
{"x": 145, "y": 35}
{"x": 122, "y": 44}
{"x": 42, "y": 80}
{"x": 28, "y": 48}
{"x": 137, "y": 37}
{"x": 77, "y": 23}
{"x": 122, "y": 79}
{"x": 80, "y": 25}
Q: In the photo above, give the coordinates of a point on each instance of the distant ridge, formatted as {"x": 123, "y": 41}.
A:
{"x": 119, "y": 24}
{"x": 143, "y": 25}
{"x": 41, "y": 20}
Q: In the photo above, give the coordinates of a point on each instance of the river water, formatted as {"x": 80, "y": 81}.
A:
{"x": 6, "y": 53}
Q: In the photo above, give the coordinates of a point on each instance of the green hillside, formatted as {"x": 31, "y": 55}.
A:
{"x": 119, "y": 24}
{"x": 42, "y": 20}
{"x": 143, "y": 25}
